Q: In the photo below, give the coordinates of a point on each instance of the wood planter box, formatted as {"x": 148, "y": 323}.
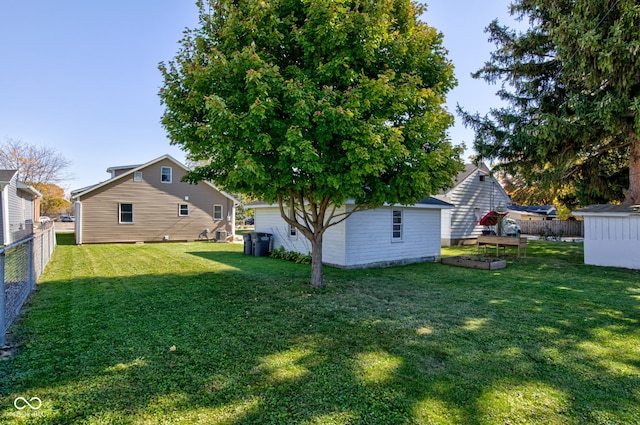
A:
{"x": 475, "y": 263}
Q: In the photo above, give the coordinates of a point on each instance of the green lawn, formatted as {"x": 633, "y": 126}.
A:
{"x": 547, "y": 340}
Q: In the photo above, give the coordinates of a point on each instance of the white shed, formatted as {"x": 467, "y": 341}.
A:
{"x": 611, "y": 235}
{"x": 384, "y": 236}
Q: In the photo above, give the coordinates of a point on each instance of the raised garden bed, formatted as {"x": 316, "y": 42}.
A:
{"x": 475, "y": 262}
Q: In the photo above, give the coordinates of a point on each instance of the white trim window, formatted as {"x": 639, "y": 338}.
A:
{"x": 125, "y": 213}
{"x": 183, "y": 210}
{"x": 396, "y": 225}
{"x": 165, "y": 174}
{"x": 137, "y": 176}
{"x": 217, "y": 212}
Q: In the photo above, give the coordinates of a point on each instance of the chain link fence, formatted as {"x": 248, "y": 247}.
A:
{"x": 21, "y": 264}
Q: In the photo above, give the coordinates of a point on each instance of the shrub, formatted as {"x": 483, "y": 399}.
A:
{"x": 293, "y": 256}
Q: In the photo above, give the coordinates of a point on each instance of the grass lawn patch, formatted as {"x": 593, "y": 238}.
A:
{"x": 198, "y": 333}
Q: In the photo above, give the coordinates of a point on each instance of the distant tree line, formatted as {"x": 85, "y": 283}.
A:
{"x": 41, "y": 167}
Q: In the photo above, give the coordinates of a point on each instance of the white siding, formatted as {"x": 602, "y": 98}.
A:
{"x": 364, "y": 239}
{"x": 4, "y": 215}
{"x": 369, "y": 239}
{"x": 472, "y": 199}
{"x": 268, "y": 220}
{"x": 612, "y": 241}
{"x": 445, "y": 226}
{"x": 18, "y": 213}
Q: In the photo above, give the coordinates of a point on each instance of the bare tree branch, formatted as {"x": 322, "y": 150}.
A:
{"x": 35, "y": 164}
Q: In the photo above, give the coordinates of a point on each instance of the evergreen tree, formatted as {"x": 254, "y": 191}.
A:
{"x": 572, "y": 83}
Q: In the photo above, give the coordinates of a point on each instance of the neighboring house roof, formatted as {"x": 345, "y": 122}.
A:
{"x": 536, "y": 210}
{"x": 30, "y": 189}
{"x": 429, "y": 202}
{"x": 123, "y": 167}
{"x": 77, "y": 194}
{"x": 610, "y": 210}
{"x": 7, "y": 175}
{"x": 469, "y": 170}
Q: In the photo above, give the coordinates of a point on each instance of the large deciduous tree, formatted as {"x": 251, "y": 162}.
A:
{"x": 35, "y": 164}
{"x": 53, "y": 199}
{"x": 572, "y": 83}
{"x": 310, "y": 103}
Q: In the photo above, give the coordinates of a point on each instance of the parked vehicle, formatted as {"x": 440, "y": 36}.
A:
{"x": 510, "y": 227}
{"x": 249, "y": 221}
{"x": 67, "y": 218}
{"x": 496, "y": 223}
{"x": 44, "y": 219}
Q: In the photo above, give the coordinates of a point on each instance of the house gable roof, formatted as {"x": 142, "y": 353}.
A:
{"x": 7, "y": 175}
{"x": 78, "y": 194}
{"x": 469, "y": 171}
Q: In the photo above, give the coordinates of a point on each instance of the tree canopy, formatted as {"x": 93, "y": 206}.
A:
{"x": 53, "y": 200}
{"x": 35, "y": 164}
{"x": 309, "y": 103}
{"x": 572, "y": 85}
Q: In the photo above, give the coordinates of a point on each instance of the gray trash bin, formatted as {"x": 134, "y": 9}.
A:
{"x": 248, "y": 245}
{"x": 261, "y": 244}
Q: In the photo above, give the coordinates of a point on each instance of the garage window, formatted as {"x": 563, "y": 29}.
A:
{"x": 396, "y": 226}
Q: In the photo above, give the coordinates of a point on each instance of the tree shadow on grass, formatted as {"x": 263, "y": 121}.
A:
{"x": 416, "y": 344}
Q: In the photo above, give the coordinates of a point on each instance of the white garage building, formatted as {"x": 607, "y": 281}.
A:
{"x": 384, "y": 236}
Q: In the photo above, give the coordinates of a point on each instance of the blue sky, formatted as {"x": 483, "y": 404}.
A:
{"x": 81, "y": 76}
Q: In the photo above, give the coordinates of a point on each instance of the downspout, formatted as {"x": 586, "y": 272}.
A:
{"x": 233, "y": 221}
{"x": 78, "y": 223}
{"x": 4, "y": 195}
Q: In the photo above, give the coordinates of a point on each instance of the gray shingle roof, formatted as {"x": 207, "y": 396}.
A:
{"x": 7, "y": 175}
{"x": 608, "y": 209}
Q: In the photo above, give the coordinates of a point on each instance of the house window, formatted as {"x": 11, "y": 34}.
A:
{"x": 165, "y": 175}
{"x": 125, "y": 212}
{"x": 183, "y": 210}
{"x": 217, "y": 212}
{"x": 137, "y": 176}
{"x": 396, "y": 226}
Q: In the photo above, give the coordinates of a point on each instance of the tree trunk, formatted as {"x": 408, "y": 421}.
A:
{"x": 632, "y": 195}
{"x": 316, "y": 262}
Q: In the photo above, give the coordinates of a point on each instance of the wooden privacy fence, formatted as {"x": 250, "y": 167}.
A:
{"x": 554, "y": 228}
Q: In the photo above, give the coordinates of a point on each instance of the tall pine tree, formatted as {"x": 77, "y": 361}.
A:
{"x": 572, "y": 84}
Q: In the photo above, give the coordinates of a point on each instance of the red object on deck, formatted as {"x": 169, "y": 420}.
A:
{"x": 491, "y": 218}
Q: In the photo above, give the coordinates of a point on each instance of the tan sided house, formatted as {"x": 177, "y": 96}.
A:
{"x": 151, "y": 203}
